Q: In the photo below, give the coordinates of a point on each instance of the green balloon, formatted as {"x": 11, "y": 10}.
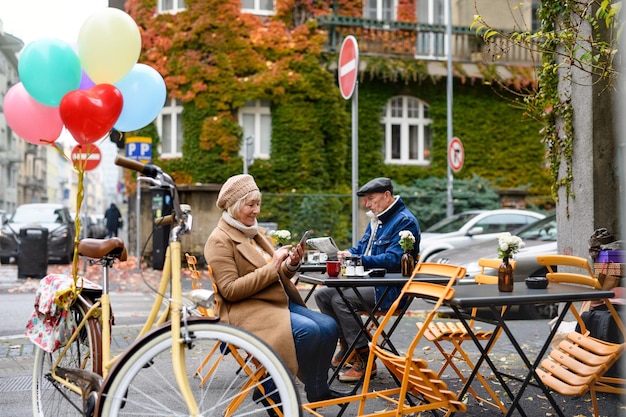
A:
{"x": 48, "y": 69}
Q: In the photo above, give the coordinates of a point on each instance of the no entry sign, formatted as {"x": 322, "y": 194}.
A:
{"x": 456, "y": 154}
{"x": 348, "y": 66}
{"x": 86, "y": 157}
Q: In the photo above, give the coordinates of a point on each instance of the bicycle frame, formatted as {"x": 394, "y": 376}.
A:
{"x": 101, "y": 310}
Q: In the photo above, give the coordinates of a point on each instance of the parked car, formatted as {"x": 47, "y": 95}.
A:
{"x": 469, "y": 227}
{"x": 92, "y": 226}
{"x": 540, "y": 239}
{"x": 54, "y": 217}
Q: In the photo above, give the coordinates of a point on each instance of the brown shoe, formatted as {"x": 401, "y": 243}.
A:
{"x": 339, "y": 356}
{"x": 356, "y": 372}
{"x": 336, "y": 360}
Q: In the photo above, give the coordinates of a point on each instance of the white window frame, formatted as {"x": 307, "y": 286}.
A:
{"x": 432, "y": 45}
{"x": 177, "y": 6}
{"x": 174, "y": 109}
{"x": 375, "y": 9}
{"x": 256, "y": 9}
{"x": 421, "y": 124}
{"x": 257, "y": 109}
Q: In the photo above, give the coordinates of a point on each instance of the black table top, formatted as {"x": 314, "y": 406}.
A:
{"x": 321, "y": 267}
{"x": 390, "y": 279}
{"x": 468, "y": 296}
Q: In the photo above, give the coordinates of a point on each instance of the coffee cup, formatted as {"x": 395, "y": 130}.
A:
{"x": 333, "y": 268}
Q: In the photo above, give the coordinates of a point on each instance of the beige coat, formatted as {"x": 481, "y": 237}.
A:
{"x": 251, "y": 294}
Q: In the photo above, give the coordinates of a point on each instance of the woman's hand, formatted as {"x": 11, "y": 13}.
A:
{"x": 280, "y": 255}
{"x": 295, "y": 256}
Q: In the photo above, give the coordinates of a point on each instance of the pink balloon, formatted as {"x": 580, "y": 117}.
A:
{"x": 31, "y": 120}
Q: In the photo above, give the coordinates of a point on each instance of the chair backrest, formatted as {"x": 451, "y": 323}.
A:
{"x": 413, "y": 372}
{"x": 583, "y": 276}
{"x": 196, "y": 284}
{"x": 490, "y": 263}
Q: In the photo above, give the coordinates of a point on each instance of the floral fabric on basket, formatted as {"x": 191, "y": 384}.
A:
{"x": 50, "y": 325}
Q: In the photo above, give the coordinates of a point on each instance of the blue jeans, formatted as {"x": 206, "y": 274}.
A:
{"x": 315, "y": 336}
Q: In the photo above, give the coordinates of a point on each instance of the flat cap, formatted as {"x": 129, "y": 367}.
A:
{"x": 377, "y": 185}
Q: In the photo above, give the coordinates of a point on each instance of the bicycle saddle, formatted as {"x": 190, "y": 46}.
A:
{"x": 101, "y": 248}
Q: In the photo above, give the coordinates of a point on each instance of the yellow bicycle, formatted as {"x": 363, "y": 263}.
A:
{"x": 159, "y": 374}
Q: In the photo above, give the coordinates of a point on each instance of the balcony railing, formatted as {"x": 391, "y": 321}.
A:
{"x": 422, "y": 41}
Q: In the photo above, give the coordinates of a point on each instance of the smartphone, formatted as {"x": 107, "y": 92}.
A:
{"x": 305, "y": 236}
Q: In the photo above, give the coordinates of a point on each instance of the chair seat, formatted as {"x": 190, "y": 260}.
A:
{"x": 452, "y": 330}
{"x": 577, "y": 365}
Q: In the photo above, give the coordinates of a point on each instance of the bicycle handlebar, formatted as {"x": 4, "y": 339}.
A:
{"x": 148, "y": 170}
{"x": 181, "y": 214}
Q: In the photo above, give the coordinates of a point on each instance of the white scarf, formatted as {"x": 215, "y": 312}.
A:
{"x": 374, "y": 222}
{"x": 249, "y": 231}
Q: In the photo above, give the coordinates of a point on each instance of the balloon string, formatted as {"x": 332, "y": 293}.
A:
{"x": 65, "y": 298}
{"x": 80, "y": 194}
{"x": 60, "y": 151}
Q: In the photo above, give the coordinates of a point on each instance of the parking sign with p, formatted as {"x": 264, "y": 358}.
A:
{"x": 139, "y": 148}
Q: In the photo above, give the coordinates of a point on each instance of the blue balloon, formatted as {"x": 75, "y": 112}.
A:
{"x": 144, "y": 93}
{"x": 48, "y": 69}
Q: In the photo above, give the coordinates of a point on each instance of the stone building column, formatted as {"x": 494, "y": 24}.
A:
{"x": 595, "y": 169}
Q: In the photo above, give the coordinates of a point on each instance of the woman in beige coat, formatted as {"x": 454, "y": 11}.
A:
{"x": 255, "y": 291}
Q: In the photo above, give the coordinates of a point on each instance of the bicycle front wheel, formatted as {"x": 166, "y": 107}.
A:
{"x": 231, "y": 373}
{"x": 49, "y": 397}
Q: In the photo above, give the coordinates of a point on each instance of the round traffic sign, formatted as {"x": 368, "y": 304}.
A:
{"x": 348, "y": 66}
{"x": 456, "y": 154}
{"x": 86, "y": 156}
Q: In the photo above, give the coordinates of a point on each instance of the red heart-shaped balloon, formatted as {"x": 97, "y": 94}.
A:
{"x": 90, "y": 114}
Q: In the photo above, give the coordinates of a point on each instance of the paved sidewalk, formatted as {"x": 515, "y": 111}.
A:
{"x": 17, "y": 354}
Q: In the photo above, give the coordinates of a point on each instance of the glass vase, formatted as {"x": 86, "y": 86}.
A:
{"x": 408, "y": 263}
{"x": 505, "y": 276}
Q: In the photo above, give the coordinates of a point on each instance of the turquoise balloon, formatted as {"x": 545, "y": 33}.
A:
{"x": 48, "y": 69}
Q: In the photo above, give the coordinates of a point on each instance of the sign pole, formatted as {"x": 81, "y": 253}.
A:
{"x": 355, "y": 164}
{"x": 348, "y": 70}
{"x": 138, "y": 221}
{"x": 450, "y": 203}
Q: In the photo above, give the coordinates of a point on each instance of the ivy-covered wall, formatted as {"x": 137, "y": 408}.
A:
{"x": 214, "y": 59}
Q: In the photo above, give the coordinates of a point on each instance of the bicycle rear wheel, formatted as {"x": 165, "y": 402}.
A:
{"x": 228, "y": 370}
{"x": 50, "y": 398}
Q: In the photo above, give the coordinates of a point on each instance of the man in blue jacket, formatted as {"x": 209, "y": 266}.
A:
{"x": 378, "y": 248}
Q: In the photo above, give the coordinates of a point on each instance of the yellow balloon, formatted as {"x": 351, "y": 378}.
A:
{"x": 109, "y": 44}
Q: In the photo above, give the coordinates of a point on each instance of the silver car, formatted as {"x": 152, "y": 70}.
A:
{"x": 470, "y": 227}
{"x": 540, "y": 239}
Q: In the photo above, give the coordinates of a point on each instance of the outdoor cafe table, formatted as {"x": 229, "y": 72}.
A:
{"x": 340, "y": 284}
{"x": 468, "y": 296}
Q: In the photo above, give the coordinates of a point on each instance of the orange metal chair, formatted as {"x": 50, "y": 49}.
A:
{"x": 256, "y": 373}
{"x": 455, "y": 333}
{"x": 580, "y": 362}
{"x": 420, "y": 389}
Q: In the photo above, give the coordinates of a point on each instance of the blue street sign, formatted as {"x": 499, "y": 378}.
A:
{"x": 139, "y": 148}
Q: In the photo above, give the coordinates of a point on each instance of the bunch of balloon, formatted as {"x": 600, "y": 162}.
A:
{"x": 89, "y": 89}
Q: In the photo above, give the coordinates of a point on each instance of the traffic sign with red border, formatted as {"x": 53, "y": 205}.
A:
{"x": 456, "y": 154}
{"x": 348, "y": 66}
{"x": 86, "y": 156}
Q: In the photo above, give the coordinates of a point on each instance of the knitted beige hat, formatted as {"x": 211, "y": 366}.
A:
{"x": 234, "y": 188}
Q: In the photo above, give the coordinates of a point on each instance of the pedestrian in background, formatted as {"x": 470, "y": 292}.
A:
{"x": 113, "y": 219}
